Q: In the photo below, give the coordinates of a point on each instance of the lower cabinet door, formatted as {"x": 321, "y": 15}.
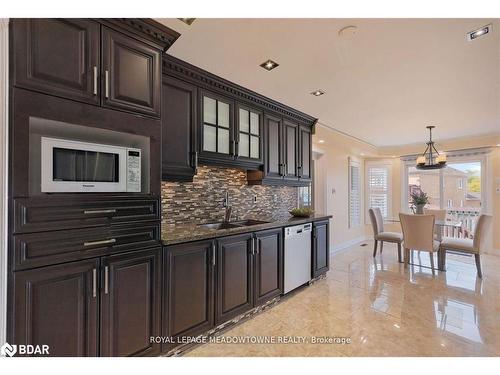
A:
{"x": 320, "y": 256}
{"x": 268, "y": 265}
{"x": 130, "y": 303}
{"x": 57, "y": 306}
{"x": 234, "y": 279}
{"x": 188, "y": 287}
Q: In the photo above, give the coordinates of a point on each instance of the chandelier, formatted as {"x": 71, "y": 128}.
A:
{"x": 431, "y": 159}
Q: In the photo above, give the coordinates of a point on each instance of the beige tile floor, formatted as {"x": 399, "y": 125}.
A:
{"x": 385, "y": 309}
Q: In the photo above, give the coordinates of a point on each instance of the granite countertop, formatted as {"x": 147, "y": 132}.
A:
{"x": 179, "y": 233}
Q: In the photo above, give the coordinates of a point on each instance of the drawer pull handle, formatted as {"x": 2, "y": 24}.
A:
{"x": 94, "y": 283}
{"x": 91, "y": 212}
{"x": 102, "y": 242}
{"x": 106, "y": 280}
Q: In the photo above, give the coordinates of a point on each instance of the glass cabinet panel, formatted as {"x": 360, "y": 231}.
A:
{"x": 209, "y": 138}
{"x": 216, "y": 125}
{"x": 244, "y": 120}
{"x": 223, "y": 141}
{"x": 223, "y": 114}
{"x": 243, "y": 145}
{"x": 249, "y": 134}
{"x": 209, "y": 110}
{"x": 254, "y": 123}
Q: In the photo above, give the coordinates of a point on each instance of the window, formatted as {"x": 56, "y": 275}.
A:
{"x": 354, "y": 194}
{"x": 460, "y": 184}
{"x": 378, "y": 186}
{"x": 450, "y": 203}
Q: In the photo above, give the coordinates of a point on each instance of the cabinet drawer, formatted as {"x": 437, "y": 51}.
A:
{"x": 40, "y": 249}
{"x": 43, "y": 214}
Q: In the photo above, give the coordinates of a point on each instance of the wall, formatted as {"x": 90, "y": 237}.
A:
{"x": 331, "y": 194}
{"x": 200, "y": 201}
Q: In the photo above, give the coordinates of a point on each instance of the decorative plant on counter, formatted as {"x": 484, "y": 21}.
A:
{"x": 301, "y": 212}
{"x": 418, "y": 201}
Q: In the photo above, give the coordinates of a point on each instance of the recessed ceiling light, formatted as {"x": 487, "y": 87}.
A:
{"x": 187, "y": 21}
{"x": 362, "y": 154}
{"x": 318, "y": 92}
{"x": 321, "y": 141}
{"x": 269, "y": 64}
{"x": 479, "y": 32}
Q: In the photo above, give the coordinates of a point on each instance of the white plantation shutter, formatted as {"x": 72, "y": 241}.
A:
{"x": 378, "y": 187}
{"x": 354, "y": 194}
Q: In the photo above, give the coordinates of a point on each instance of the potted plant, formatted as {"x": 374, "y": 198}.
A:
{"x": 418, "y": 201}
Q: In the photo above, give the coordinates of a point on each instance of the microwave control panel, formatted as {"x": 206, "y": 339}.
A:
{"x": 134, "y": 171}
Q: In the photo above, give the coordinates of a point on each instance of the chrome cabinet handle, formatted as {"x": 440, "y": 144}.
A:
{"x": 253, "y": 246}
{"x": 95, "y": 80}
{"x": 94, "y": 283}
{"x": 213, "y": 255}
{"x": 101, "y": 242}
{"x": 91, "y": 212}
{"x": 106, "y": 83}
{"x": 106, "y": 280}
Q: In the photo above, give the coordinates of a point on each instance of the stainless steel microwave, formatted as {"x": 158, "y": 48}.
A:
{"x": 69, "y": 166}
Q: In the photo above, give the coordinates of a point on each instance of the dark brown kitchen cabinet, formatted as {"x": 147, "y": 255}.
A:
{"x": 273, "y": 158}
{"x": 248, "y": 135}
{"x": 320, "y": 248}
{"x": 304, "y": 153}
{"x": 217, "y": 144}
{"x": 290, "y": 150}
{"x": 131, "y": 74}
{"x": 234, "y": 276}
{"x": 58, "y": 306}
{"x": 130, "y": 303}
{"x": 188, "y": 290}
{"x": 178, "y": 122}
{"x": 268, "y": 265}
{"x": 57, "y": 56}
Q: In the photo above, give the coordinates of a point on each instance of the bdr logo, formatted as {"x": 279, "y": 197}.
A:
{"x": 11, "y": 350}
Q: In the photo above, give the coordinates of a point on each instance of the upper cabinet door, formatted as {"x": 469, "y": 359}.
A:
{"x": 304, "y": 168}
{"x": 131, "y": 74}
{"x": 57, "y": 56}
{"x": 273, "y": 147}
{"x": 249, "y": 133}
{"x": 130, "y": 303}
{"x": 178, "y": 124}
{"x": 290, "y": 152}
{"x": 217, "y": 127}
{"x": 58, "y": 306}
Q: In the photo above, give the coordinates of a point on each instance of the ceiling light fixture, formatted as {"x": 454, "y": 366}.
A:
{"x": 348, "y": 31}
{"x": 321, "y": 141}
{"x": 318, "y": 92}
{"x": 431, "y": 158}
{"x": 479, "y": 32}
{"x": 187, "y": 21}
{"x": 269, "y": 65}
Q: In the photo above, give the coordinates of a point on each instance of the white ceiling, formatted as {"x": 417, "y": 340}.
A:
{"x": 383, "y": 85}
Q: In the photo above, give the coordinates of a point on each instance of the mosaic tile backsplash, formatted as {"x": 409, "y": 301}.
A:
{"x": 200, "y": 201}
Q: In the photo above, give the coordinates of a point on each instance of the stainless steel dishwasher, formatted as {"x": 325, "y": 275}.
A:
{"x": 297, "y": 256}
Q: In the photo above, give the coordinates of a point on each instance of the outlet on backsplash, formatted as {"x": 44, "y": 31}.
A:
{"x": 200, "y": 201}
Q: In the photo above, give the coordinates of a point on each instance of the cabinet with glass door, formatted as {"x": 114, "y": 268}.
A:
{"x": 248, "y": 136}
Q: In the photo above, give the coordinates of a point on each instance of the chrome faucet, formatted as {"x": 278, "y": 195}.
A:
{"x": 229, "y": 208}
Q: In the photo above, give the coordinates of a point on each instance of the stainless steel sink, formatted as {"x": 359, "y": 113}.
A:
{"x": 219, "y": 226}
{"x": 233, "y": 224}
{"x": 249, "y": 222}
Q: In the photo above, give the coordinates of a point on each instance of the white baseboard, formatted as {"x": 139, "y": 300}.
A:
{"x": 335, "y": 248}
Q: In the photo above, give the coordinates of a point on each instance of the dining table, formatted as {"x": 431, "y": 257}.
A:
{"x": 441, "y": 226}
